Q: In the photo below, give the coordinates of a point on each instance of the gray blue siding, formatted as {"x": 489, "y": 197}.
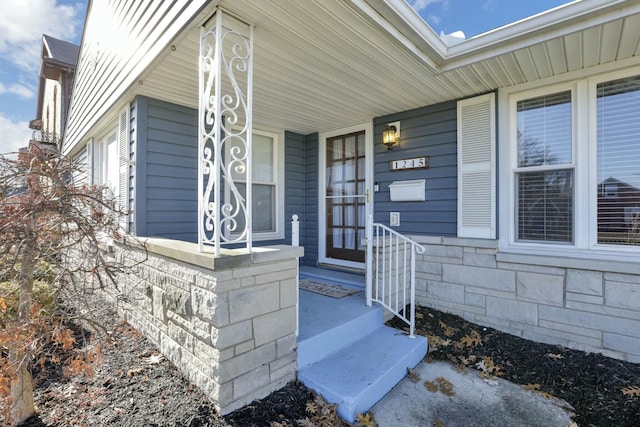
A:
{"x": 166, "y": 196}
{"x": 164, "y": 146}
{"x": 428, "y": 131}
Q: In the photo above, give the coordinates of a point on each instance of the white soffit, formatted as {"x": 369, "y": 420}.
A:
{"x": 321, "y": 65}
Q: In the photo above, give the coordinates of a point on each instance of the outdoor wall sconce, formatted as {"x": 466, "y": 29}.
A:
{"x": 391, "y": 135}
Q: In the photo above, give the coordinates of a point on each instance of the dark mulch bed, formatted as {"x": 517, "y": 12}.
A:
{"x": 136, "y": 387}
{"x": 592, "y": 383}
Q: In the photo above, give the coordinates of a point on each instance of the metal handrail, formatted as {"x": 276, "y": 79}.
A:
{"x": 390, "y": 290}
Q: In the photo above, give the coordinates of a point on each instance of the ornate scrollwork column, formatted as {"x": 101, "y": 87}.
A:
{"x": 225, "y": 129}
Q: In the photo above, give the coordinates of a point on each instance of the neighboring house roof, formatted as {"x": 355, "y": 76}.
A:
{"x": 60, "y": 50}
{"x": 58, "y": 61}
{"x": 325, "y": 65}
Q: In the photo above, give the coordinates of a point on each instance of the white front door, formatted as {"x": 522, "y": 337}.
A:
{"x": 345, "y": 194}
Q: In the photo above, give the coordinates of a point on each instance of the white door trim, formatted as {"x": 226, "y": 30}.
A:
{"x": 367, "y": 127}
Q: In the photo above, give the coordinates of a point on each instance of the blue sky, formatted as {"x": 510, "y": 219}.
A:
{"x": 474, "y": 17}
{"x": 22, "y": 23}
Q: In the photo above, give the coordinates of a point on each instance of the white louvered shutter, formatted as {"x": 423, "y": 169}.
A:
{"x": 91, "y": 147}
{"x": 476, "y": 167}
{"x": 123, "y": 151}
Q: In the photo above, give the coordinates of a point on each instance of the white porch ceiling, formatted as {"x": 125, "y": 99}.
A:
{"x": 324, "y": 64}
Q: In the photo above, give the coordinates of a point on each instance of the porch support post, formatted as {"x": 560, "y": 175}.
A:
{"x": 225, "y": 132}
{"x": 369, "y": 259}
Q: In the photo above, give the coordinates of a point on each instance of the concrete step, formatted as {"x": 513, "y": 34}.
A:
{"x": 334, "y": 328}
{"x": 361, "y": 373}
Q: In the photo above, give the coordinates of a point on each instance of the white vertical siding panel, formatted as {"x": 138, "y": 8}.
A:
{"x": 591, "y": 41}
{"x": 630, "y": 37}
{"x": 499, "y": 72}
{"x": 121, "y": 40}
{"x": 512, "y": 68}
{"x": 525, "y": 62}
{"x": 573, "y": 51}
{"x": 557, "y": 57}
{"x": 541, "y": 59}
{"x": 610, "y": 38}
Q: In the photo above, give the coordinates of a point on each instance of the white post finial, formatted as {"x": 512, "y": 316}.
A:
{"x": 295, "y": 231}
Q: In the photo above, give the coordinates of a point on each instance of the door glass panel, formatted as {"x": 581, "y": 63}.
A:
{"x": 345, "y": 194}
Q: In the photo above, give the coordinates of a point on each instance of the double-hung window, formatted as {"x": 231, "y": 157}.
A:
{"x": 267, "y": 208}
{"x": 618, "y": 161}
{"x": 574, "y": 167}
{"x": 545, "y": 174}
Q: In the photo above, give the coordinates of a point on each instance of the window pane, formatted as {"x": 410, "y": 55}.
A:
{"x": 262, "y": 158}
{"x": 545, "y": 130}
{"x": 263, "y": 208}
{"x": 112, "y": 178}
{"x": 545, "y": 206}
{"x": 619, "y": 161}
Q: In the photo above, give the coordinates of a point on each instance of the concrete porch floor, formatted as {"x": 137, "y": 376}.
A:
{"x": 345, "y": 352}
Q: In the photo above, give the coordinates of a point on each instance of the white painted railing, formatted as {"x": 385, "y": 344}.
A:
{"x": 391, "y": 271}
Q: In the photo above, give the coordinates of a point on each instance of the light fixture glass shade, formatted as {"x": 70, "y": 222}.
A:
{"x": 390, "y": 137}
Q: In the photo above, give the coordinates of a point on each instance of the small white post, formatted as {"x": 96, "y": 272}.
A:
{"x": 369, "y": 260}
{"x": 295, "y": 231}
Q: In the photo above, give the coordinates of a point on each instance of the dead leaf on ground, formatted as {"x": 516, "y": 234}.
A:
{"x": 631, "y": 391}
{"x": 445, "y": 386}
{"x": 461, "y": 369}
{"x": 413, "y": 375}
{"x": 448, "y": 330}
{"x": 436, "y": 342}
{"x": 554, "y": 356}
{"x": 545, "y": 395}
{"x": 312, "y": 408}
{"x": 488, "y": 368}
{"x": 155, "y": 359}
{"x": 366, "y": 420}
{"x": 531, "y": 387}
{"x": 135, "y": 371}
{"x": 471, "y": 340}
{"x": 431, "y": 386}
{"x": 306, "y": 422}
{"x": 468, "y": 360}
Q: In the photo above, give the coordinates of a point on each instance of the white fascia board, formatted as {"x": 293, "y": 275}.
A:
{"x": 401, "y": 21}
{"x": 554, "y": 23}
{"x": 404, "y": 21}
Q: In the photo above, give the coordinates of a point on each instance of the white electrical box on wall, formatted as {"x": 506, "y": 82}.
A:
{"x": 408, "y": 191}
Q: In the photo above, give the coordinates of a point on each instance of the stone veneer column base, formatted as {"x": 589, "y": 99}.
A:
{"x": 229, "y": 323}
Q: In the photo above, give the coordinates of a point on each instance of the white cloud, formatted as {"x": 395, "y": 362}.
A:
{"x": 420, "y": 5}
{"x": 490, "y": 5}
{"x": 17, "y": 89}
{"x": 22, "y": 23}
{"x": 434, "y": 19}
{"x": 13, "y": 135}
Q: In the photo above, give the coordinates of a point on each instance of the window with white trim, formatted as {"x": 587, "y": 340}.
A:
{"x": 575, "y": 165}
{"x": 267, "y": 189}
{"x": 544, "y": 173}
{"x": 618, "y": 142}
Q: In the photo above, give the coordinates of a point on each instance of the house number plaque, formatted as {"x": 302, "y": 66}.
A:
{"x": 413, "y": 163}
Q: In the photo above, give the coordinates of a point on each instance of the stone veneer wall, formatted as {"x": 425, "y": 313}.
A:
{"x": 228, "y": 323}
{"x": 582, "y": 304}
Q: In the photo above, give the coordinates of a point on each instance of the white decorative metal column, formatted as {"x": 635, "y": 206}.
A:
{"x": 225, "y": 129}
